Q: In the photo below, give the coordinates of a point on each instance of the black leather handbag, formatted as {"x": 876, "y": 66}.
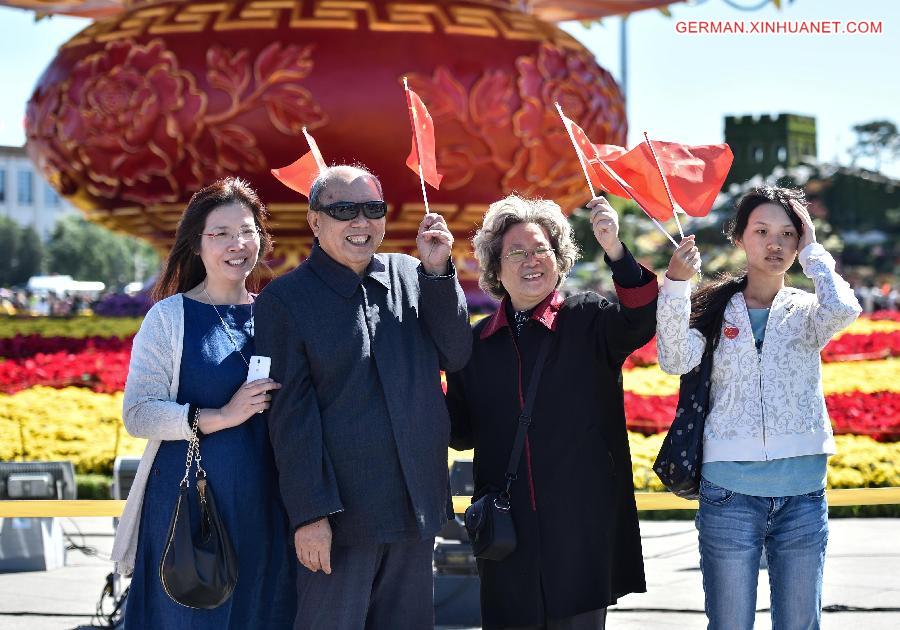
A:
{"x": 681, "y": 454}
{"x": 489, "y": 520}
{"x": 199, "y": 568}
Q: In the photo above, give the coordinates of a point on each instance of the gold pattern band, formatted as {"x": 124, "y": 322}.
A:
{"x": 398, "y": 17}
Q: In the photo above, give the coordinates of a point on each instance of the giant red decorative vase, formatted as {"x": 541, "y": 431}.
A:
{"x": 139, "y": 111}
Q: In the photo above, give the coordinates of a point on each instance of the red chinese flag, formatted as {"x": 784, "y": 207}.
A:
{"x": 423, "y": 139}
{"x": 695, "y": 174}
{"x": 589, "y": 154}
{"x": 605, "y": 153}
{"x": 300, "y": 175}
{"x": 638, "y": 169}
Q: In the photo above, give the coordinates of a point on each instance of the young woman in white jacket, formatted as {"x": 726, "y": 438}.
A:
{"x": 767, "y": 435}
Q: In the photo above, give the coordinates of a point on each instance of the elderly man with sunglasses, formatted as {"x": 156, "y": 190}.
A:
{"x": 360, "y": 429}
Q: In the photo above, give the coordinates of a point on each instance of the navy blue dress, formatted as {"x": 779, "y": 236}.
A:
{"x": 241, "y": 473}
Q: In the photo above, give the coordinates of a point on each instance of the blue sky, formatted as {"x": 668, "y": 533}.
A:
{"x": 680, "y": 86}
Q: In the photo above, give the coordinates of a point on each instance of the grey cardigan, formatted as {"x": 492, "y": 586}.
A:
{"x": 150, "y": 411}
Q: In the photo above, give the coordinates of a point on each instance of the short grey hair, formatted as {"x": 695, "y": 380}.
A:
{"x": 331, "y": 173}
{"x": 503, "y": 214}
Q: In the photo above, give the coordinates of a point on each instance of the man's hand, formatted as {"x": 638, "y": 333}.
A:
{"x": 435, "y": 242}
{"x": 605, "y": 224}
{"x": 313, "y": 545}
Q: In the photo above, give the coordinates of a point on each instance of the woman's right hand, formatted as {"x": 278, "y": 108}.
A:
{"x": 685, "y": 261}
{"x": 250, "y": 398}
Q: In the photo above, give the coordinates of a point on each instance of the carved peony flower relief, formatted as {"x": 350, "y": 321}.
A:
{"x": 131, "y": 123}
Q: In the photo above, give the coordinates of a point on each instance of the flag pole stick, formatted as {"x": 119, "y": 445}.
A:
{"x": 415, "y": 121}
{"x": 584, "y": 170}
{"x": 665, "y": 184}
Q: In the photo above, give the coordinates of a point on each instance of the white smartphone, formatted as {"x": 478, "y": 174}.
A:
{"x": 259, "y": 368}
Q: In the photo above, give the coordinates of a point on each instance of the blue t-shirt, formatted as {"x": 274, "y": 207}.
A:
{"x": 785, "y": 477}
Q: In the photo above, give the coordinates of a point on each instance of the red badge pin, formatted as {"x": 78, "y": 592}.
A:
{"x": 731, "y": 332}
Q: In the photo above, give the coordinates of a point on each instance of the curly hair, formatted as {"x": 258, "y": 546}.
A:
{"x": 503, "y": 214}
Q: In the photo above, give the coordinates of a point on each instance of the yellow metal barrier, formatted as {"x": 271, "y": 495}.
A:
{"x": 645, "y": 501}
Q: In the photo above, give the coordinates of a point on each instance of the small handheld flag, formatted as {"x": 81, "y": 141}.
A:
{"x": 300, "y": 174}
{"x": 421, "y": 159}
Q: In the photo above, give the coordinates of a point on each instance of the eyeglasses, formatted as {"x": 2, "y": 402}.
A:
{"x": 223, "y": 236}
{"x": 349, "y": 210}
{"x": 521, "y": 255}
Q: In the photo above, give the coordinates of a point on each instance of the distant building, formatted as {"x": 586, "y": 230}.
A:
{"x": 784, "y": 145}
{"x": 25, "y": 197}
{"x": 760, "y": 144}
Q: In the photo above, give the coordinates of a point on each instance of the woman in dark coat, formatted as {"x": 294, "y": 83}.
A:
{"x": 579, "y": 546}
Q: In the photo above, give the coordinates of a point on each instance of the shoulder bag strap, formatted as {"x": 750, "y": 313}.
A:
{"x": 525, "y": 416}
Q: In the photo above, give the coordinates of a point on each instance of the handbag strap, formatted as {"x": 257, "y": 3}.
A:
{"x": 193, "y": 452}
{"x": 525, "y": 417}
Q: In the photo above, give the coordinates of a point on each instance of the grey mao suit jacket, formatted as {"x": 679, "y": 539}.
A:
{"x": 360, "y": 428}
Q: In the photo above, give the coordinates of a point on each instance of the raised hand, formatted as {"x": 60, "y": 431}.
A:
{"x": 435, "y": 243}
{"x": 605, "y": 224}
{"x": 685, "y": 262}
{"x": 809, "y": 230}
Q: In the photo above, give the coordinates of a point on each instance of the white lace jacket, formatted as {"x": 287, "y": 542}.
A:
{"x": 767, "y": 406}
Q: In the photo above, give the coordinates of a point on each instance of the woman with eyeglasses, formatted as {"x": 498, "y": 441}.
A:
{"x": 572, "y": 498}
{"x": 189, "y": 366}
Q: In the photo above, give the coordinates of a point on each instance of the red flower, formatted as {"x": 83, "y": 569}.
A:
{"x": 102, "y": 371}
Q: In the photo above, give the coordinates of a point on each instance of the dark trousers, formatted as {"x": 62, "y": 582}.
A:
{"x": 371, "y": 587}
{"x": 591, "y": 620}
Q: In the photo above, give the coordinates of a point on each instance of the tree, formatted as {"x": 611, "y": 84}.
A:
{"x": 29, "y": 256}
{"x": 8, "y": 233}
{"x": 21, "y": 253}
{"x": 877, "y": 140}
{"x": 87, "y": 251}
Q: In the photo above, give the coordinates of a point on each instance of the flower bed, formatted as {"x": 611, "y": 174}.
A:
{"x": 73, "y": 424}
{"x": 24, "y": 346}
{"x": 43, "y": 417}
{"x": 861, "y": 462}
{"x": 862, "y": 376}
{"x": 863, "y": 340}
{"x": 876, "y": 415}
{"x": 101, "y": 371}
{"x": 77, "y": 327}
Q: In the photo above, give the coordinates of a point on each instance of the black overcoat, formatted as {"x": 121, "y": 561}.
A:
{"x": 579, "y": 546}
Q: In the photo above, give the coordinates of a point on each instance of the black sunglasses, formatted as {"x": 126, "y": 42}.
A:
{"x": 349, "y": 210}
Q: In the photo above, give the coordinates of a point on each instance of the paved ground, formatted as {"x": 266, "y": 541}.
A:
{"x": 862, "y": 582}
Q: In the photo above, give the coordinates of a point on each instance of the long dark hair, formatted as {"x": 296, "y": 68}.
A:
{"x": 708, "y": 302}
{"x": 183, "y": 269}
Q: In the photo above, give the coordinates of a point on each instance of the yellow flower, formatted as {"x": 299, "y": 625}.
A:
{"x": 860, "y": 462}
{"x": 837, "y": 378}
{"x": 72, "y": 423}
{"x": 74, "y": 327}
{"x": 864, "y": 326}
